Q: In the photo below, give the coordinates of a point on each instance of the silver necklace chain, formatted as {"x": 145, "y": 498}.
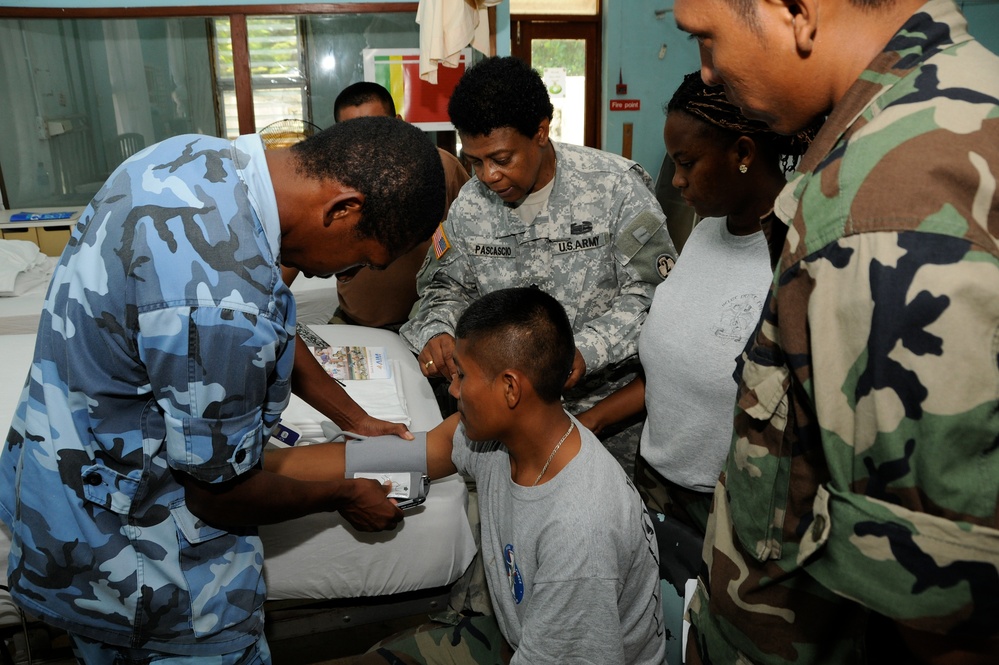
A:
{"x": 554, "y": 451}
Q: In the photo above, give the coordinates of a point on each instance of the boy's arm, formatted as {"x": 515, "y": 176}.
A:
{"x": 440, "y": 442}
{"x": 325, "y": 461}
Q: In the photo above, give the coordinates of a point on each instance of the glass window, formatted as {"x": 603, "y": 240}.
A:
{"x": 81, "y": 95}
{"x": 335, "y": 50}
{"x": 299, "y": 65}
{"x": 277, "y": 71}
{"x": 562, "y": 65}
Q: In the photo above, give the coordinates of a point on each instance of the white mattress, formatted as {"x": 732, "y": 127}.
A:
{"x": 319, "y": 556}
{"x": 20, "y": 313}
{"x": 315, "y": 302}
{"x": 315, "y": 299}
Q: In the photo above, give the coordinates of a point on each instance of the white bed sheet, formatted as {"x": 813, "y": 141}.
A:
{"x": 19, "y": 314}
{"x": 315, "y": 299}
{"x": 315, "y": 303}
{"x": 319, "y": 556}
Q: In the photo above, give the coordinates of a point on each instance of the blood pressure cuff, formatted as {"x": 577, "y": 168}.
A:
{"x": 391, "y": 458}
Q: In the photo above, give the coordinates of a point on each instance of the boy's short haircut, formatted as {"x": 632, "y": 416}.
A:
{"x": 524, "y": 329}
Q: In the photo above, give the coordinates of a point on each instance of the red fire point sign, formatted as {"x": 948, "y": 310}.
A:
{"x": 625, "y": 105}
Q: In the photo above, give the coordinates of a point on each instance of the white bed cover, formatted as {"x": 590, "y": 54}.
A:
{"x": 19, "y": 314}
{"x": 320, "y": 556}
{"x": 315, "y": 303}
{"x": 315, "y": 299}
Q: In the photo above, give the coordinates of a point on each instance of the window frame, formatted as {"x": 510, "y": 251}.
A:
{"x": 226, "y": 84}
{"x": 528, "y": 27}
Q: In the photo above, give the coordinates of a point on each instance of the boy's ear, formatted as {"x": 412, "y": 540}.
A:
{"x": 513, "y": 387}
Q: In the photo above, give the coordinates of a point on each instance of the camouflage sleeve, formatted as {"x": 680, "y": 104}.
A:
{"x": 645, "y": 254}
{"x": 905, "y": 385}
{"x": 212, "y": 372}
{"x": 445, "y": 284}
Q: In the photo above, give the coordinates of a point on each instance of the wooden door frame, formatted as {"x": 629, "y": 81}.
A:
{"x": 526, "y": 27}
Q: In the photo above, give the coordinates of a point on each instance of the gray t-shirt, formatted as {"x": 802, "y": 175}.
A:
{"x": 697, "y": 326}
{"x": 572, "y": 564}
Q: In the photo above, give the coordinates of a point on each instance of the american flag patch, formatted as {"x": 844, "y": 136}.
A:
{"x": 439, "y": 242}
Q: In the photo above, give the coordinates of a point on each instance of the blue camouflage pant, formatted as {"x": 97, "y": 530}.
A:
{"x": 92, "y": 652}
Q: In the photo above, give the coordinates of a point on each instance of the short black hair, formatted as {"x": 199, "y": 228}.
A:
{"x": 524, "y": 329}
{"x": 499, "y": 92}
{"x": 393, "y": 164}
{"x": 363, "y": 92}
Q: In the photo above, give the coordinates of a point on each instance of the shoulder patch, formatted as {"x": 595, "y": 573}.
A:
{"x": 440, "y": 242}
{"x": 664, "y": 264}
{"x": 635, "y": 236}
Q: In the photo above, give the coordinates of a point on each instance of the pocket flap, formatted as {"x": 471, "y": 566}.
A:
{"x": 194, "y": 530}
{"x": 108, "y": 488}
{"x": 763, "y": 389}
{"x": 214, "y": 449}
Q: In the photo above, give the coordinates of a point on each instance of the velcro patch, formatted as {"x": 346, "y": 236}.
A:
{"x": 440, "y": 242}
{"x": 638, "y": 233}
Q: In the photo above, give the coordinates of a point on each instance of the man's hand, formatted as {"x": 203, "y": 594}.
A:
{"x": 578, "y": 370}
{"x": 436, "y": 358}
{"x": 369, "y": 508}
{"x": 370, "y": 426}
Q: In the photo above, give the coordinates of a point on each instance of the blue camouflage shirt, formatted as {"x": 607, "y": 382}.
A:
{"x": 163, "y": 346}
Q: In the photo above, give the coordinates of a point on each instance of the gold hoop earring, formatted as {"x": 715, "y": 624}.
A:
{"x": 743, "y": 169}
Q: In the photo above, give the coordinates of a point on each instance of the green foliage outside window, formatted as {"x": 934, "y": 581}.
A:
{"x": 567, "y": 53}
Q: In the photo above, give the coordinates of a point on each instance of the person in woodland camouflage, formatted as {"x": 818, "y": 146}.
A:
{"x": 581, "y": 224}
{"x": 131, "y": 477}
{"x": 856, "y": 520}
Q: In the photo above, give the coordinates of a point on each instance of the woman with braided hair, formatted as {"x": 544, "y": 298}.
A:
{"x": 729, "y": 169}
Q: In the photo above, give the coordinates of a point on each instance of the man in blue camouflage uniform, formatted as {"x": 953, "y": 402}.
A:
{"x": 856, "y": 520}
{"x": 581, "y": 224}
{"x": 131, "y": 477}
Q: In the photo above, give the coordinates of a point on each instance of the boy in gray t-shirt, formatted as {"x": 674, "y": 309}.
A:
{"x": 570, "y": 556}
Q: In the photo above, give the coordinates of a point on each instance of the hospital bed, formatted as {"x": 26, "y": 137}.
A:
{"x": 320, "y": 573}
{"x": 22, "y": 287}
{"x": 315, "y": 301}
